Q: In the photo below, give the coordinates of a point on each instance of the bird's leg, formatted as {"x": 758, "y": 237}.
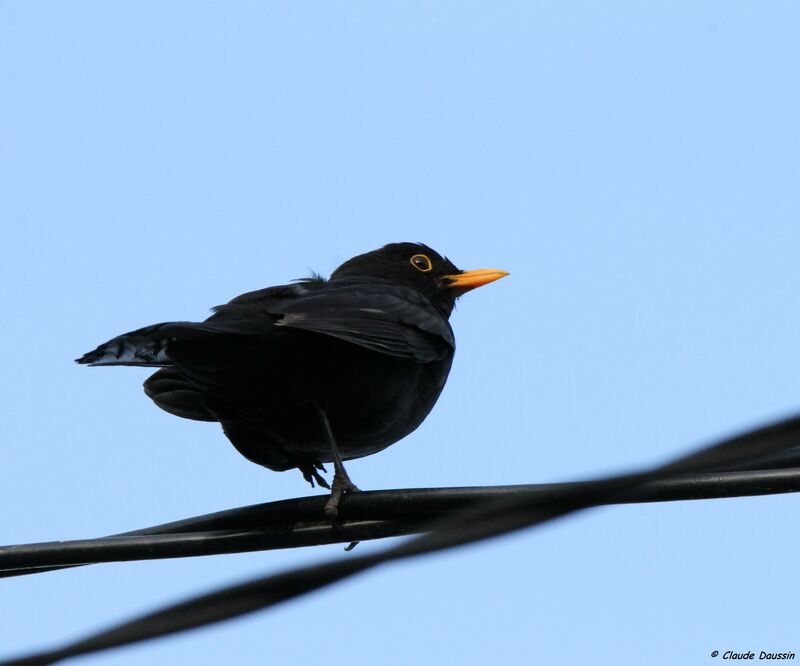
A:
{"x": 341, "y": 481}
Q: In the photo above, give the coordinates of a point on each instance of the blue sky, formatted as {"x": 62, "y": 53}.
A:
{"x": 633, "y": 165}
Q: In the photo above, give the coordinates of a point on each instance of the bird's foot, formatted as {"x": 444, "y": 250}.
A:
{"x": 311, "y": 474}
{"x": 341, "y": 485}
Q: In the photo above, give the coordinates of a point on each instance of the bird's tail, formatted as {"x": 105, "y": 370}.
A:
{"x": 145, "y": 347}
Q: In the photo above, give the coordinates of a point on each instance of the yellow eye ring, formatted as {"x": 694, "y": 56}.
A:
{"x": 421, "y": 262}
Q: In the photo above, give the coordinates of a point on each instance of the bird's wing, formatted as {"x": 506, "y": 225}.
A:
{"x": 252, "y": 313}
{"x": 384, "y": 318}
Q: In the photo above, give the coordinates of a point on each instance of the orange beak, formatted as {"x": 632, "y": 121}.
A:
{"x": 463, "y": 282}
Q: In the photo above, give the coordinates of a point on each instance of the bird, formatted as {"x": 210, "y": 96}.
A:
{"x": 315, "y": 371}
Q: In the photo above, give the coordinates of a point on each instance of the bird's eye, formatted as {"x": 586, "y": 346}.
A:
{"x": 421, "y": 263}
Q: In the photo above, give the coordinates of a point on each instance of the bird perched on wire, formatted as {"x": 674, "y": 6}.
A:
{"x": 315, "y": 371}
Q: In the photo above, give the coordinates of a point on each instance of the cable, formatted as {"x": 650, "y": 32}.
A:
{"x": 502, "y": 514}
{"x": 369, "y": 515}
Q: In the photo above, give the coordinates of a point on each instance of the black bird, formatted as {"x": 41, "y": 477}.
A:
{"x": 315, "y": 371}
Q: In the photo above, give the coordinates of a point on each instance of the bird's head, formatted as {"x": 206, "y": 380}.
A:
{"x": 417, "y": 266}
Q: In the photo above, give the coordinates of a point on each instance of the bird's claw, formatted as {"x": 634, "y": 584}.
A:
{"x": 341, "y": 485}
{"x": 311, "y": 474}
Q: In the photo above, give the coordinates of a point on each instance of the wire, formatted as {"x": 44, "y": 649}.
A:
{"x": 369, "y": 515}
{"x": 501, "y": 514}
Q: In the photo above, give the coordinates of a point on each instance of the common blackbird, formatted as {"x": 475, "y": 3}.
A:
{"x": 315, "y": 371}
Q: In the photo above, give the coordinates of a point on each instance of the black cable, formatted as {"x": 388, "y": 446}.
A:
{"x": 368, "y": 515}
{"x": 487, "y": 519}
